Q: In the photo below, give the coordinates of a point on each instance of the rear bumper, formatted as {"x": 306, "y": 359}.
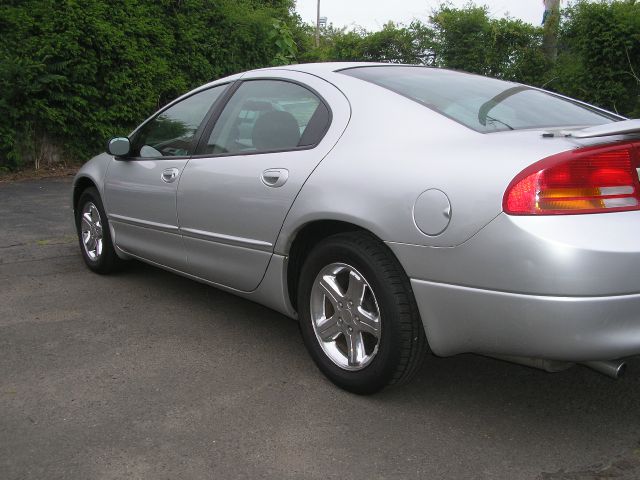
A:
{"x": 561, "y": 288}
{"x": 462, "y": 319}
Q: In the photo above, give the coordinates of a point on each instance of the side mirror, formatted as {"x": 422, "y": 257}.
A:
{"x": 119, "y": 147}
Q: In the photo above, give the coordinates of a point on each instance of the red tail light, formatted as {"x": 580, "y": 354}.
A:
{"x": 587, "y": 180}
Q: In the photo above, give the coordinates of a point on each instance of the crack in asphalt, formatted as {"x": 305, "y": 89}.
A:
{"x": 624, "y": 467}
{"x": 23, "y": 244}
{"x": 37, "y": 259}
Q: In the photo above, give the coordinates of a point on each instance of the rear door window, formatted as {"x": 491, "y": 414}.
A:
{"x": 266, "y": 116}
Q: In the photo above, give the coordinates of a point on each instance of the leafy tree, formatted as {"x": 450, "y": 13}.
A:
{"x": 468, "y": 39}
{"x": 598, "y": 49}
{"x": 282, "y": 38}
{"x": 398, "y": 44}
{"x": 73, "y": 73}
{"x": 394, "y": 44}
{"x": 599, "y": 55}
{"x": 462, "y": 38}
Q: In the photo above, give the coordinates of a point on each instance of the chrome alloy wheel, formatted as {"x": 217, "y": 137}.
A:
{"x": 345, "y": 316}
{"x": 91, "y": 229}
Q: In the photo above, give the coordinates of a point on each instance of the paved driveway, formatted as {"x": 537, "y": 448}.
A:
{"x": 149, "y": 375}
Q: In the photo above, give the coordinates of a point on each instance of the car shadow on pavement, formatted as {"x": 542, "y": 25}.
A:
{"x": 577, "y": 418}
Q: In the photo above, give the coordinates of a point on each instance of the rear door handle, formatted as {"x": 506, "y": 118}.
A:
{"x": 275, "y": 177}
{"x": 169, "y": 175}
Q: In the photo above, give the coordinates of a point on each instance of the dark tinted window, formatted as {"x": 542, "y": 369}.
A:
{"x": 269, "y": 115}
{"x": 171, "y": 133}
{"x": 484, "y": 104}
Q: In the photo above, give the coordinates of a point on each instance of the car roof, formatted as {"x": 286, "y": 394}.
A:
{"x": 324, "y": 67}
{"x": 319, "y": 69}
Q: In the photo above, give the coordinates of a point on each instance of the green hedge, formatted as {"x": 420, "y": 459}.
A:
{"x": 598, "y": 59}
{"x": 73, "y": 73}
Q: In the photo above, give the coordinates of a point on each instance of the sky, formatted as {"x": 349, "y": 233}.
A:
{"x": 373, "y": 14}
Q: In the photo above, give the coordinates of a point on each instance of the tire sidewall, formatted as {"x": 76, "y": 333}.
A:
{"x": 105, "y": 260}
{"x": 380, "y": 371}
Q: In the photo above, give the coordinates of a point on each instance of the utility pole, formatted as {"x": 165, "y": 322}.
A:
{"x": 318, "y": 26}
{"x": 551, "y": 27}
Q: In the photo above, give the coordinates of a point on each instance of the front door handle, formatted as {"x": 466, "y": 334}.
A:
{"x": 169, "y": 175}
{"x": 275, "y": 177}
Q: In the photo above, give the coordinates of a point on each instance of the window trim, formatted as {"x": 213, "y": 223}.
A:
{"x": 229, "y": 87}
{"x": 613, "y": 116}
{"x": 213, "y": 120}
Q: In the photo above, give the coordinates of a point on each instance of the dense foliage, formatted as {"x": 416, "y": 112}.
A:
{"x": 598, "y": 58}
{"x": 75, "y": 72}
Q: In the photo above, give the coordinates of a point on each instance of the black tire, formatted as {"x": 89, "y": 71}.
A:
{"x": 108, "y": 261}
{"x": 402, "y": 344}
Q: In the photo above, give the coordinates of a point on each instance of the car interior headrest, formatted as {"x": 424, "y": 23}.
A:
{"x": 276, "y": 130}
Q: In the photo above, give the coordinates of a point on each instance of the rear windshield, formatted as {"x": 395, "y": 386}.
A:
{"x": 484, "y": 104}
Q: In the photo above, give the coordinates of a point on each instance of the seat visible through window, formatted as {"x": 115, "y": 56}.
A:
{"x": 268, "y": 115}
{"x": 276, "y": 131}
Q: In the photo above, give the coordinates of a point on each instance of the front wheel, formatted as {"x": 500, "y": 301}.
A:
{"x": 93, "y": 233}
{"x": 358, "y": 316}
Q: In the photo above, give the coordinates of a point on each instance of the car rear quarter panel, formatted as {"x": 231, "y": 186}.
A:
{"x": 393, "y": 150}
{"x": 571, "y": 255}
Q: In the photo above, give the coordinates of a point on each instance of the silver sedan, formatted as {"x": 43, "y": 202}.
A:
{"x": 393, "y": 210}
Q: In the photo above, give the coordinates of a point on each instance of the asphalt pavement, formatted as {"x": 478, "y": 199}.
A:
{"x": 148, "y": 375}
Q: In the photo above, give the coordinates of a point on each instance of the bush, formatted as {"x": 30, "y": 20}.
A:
{"x": 598, "y": 60}
{"x": 73, "y": 73}
{"x": 467, "y": 39}
{"x": 599, "y": 55}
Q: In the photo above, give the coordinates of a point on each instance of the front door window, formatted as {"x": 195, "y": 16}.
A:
{"x": 171, "y": 132}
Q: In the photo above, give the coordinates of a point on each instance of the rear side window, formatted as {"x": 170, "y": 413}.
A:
{"x": 483, "y": 104}
{"x": 267, "y": 116}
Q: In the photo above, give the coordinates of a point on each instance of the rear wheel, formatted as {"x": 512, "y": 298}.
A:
{"x": 94, "y": 235}
{"x": 358, "y": 317}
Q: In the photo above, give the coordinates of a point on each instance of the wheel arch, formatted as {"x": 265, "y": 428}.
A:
{"x": 79, "y": 186}
{"x": 305, "y": 238}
